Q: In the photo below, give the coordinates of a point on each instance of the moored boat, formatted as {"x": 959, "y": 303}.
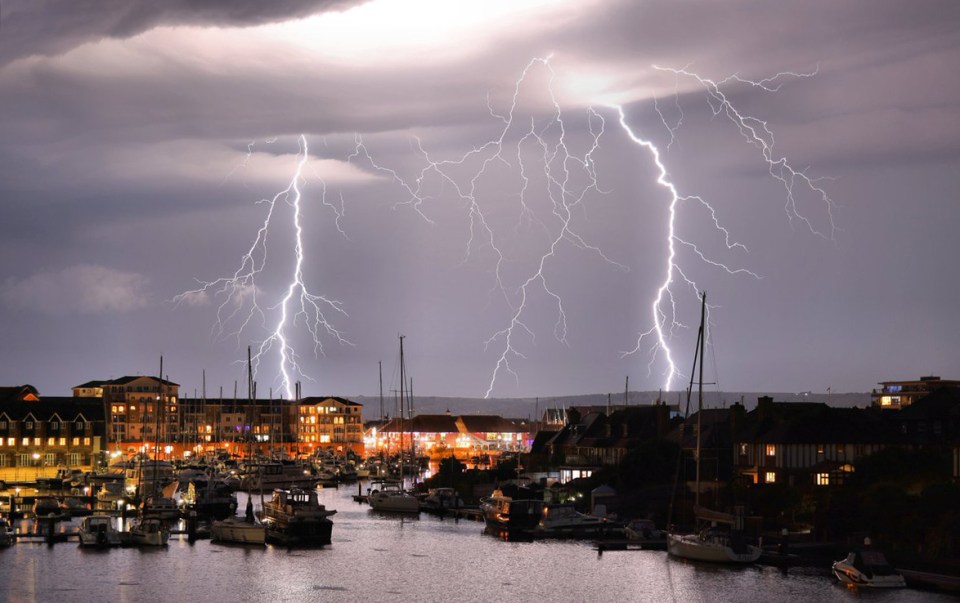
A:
{"x": 296, "y": 517}
{"x": 564, "y": 521}
{"x": 236, "y": 530}
{"x": 868, "y": 568}
{"x": 150, "y": 532}
{"x": 505, "y": 515}
{"x": 393, "y": 499}
{"x": 98, "y": 531}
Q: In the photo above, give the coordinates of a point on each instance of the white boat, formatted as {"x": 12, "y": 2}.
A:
{"x": 721, "y": 540}
{"x": 98, "y": 531}
{"x": 711, "y": 544}
{"x": 296, "y": 517}
{"x": 8, "y": 535}
{"x": 236, "y": 530}
{"x": 150, "y": 532}
{"x": 867, "y": 568}
{"x": 392, "y": 498}
{"x": 561, "y": 520}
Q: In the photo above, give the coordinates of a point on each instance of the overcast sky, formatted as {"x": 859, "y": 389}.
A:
{"x": 465, "y": 180}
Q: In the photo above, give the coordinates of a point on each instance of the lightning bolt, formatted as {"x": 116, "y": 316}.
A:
{"x": 755, "y": 132}
{"x": 568, "y": 177}
{"x": 559, "y": 168}
{"x": 241, "y": 296}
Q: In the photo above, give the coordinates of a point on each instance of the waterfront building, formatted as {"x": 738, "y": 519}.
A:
{"x": 38, "y": 434}
{"x": 900, "y": 394}
{"x": 463, "y": 436}
{"x": 330, "y": 423}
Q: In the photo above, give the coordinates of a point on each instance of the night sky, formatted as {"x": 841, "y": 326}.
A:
{"x": 468, "y": 184}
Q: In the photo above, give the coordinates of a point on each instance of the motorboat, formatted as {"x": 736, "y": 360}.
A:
{"x": 296, "y": 517}
{"x": 507, "y": 515}
{"x": 214, "y": 500}
{"x": 867, "y": 568}
{"x": 713, "y": 544}
{"x": 98, "y": 531}
{"x": 439, "y": 500}
{"x": 392, "y": 498}
{"x": 563, "y": 520}
{"x": 150, "y": 532}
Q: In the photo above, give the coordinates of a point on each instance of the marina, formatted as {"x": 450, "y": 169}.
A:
{"x": 385, "y": 556}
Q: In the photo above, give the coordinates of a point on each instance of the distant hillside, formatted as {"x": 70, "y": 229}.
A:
{"x": 534, "y": 407}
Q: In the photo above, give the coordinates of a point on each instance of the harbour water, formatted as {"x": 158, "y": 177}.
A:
{"x": 377, "y": 557}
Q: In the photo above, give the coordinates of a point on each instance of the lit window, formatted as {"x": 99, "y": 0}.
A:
{"x": 771, "y": 450}
{"x": 770, "y": 477}
{"x": 50, "y": 441}
{"x": 63, "y": 441}
{"x": 76, "y": 441}
{"x": 11, "y": 441}
{"x": 823, "y": 479}
{"x": 86, "y": 441}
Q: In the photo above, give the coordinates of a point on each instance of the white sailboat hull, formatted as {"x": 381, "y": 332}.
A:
{"x": 691, "y": 546}
{"x": 238, "y": 531}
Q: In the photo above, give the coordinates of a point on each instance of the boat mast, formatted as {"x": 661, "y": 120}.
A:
{"x": 702, "y": 340}
{"x": 402, "y": 380}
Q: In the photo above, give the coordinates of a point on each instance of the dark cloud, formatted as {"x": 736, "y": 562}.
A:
{"x": 140, "y": 160}
{"x": 51, "y": 27}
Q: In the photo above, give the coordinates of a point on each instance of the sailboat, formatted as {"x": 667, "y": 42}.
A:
{"x": 150, "y": 529}
{"x": 720, "y": 535}
{"x": 392, "y": 497}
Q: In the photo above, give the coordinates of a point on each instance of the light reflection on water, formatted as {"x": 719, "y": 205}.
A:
{"x": 388, "y": 558}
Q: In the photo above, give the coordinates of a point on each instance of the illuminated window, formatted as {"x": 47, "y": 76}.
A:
{"x": 325, "y": 438}
{"x": 50, "y": 441}
{"x": 770, "y": 477}
{"x": 36, "y": 441}
{"x": 86, "y": 442}
{"x": 63, "y": 441}
{"x": 771, "y": 450}
{"x": 823, "y": 479}
{"x": 11, "y": 441}
{"x": 26, "y": 441}
{"x": 76, "y": 441}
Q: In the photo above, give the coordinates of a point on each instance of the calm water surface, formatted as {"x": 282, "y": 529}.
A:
{"x": 385, "y": 558}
